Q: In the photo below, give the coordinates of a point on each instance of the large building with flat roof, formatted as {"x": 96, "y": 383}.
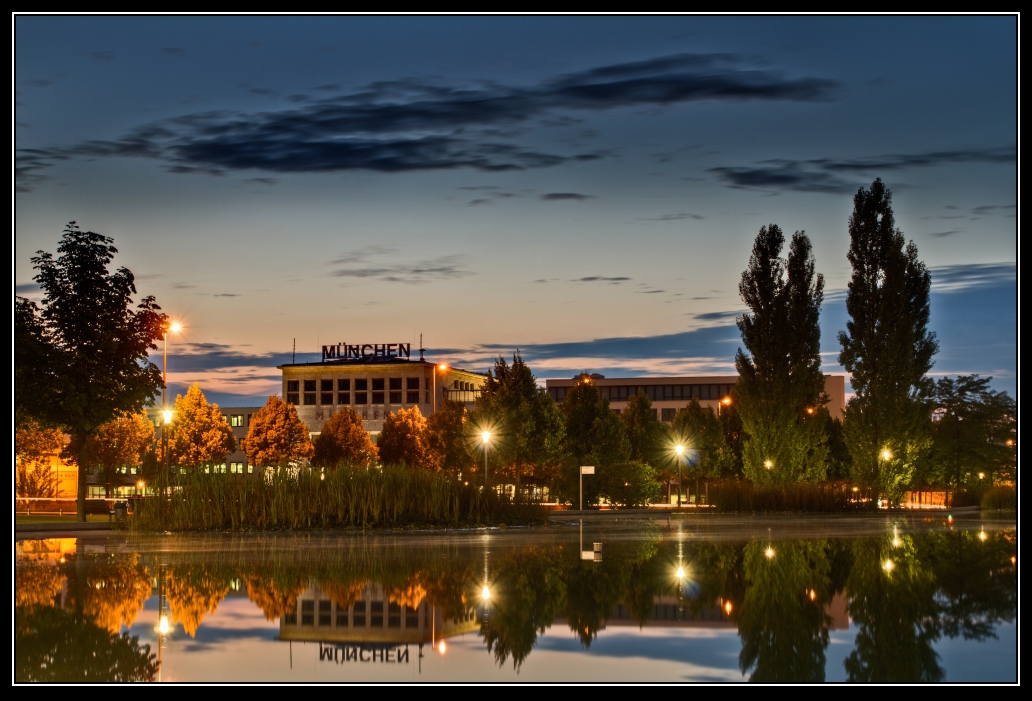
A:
{"x": 668, "y": 394}
{"x": 374, "y": 380}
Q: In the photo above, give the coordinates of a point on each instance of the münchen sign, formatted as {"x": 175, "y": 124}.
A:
{"x": 367, "y": 351}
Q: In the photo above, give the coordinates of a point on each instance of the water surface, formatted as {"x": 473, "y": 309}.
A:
{"x": 868, "y": 599}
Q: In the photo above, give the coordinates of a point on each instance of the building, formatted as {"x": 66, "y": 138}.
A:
{"x": 239, "y": 419}
{"x": 374, "y": 380}
{"x": 668, "y": 394}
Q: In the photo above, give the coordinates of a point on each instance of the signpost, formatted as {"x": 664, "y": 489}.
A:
{"x": 585, "y": 470}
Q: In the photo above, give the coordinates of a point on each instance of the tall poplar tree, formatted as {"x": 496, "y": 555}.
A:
{"x": 781, "y": 388}
{"x": 886, "y": 347}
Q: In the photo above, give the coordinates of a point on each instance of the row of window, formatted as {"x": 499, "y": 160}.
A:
{"x": 358, "y": 618}
{"x": 235, "y": 468}
{"x": 361, "y": 398}
{"x": 654, "y": 392}
{"x": 361, "y": 385}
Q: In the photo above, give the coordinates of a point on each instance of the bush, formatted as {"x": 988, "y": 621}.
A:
{"x": 630, "y": 484}
{"x": 741, "y": 496}
{"x": 1000, "y": 499}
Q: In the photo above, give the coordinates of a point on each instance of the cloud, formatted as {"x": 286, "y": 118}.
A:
{"x": 837, "y": 176}
{"x": 951, "y": 278}
{"x": 366, "y": 263}
{"x": 411, "y": 125}
{"x": 944, "y": 234}
{"x": 262, "y": 181}
{"x": 27, "y": 288}
{"x": 553, "y": 196}
{"x": 103, "y": 56}
{"x": 600, "y": 278}
{"x": 673, "y": 217}
{"x": 478, "y": 202}
{"x": 262, "y": 91}
{"x": 718, "y": 316}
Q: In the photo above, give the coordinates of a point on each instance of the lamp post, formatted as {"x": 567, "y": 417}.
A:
{"x": 680, "y": 459}
{"x": 174, "y": 327}
{"x": 486, "y": 438}
{"x": 442, "y": 367}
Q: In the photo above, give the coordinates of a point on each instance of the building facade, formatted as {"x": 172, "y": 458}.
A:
{"x": 668, "y": 394}
{"x": 374, "y": 384}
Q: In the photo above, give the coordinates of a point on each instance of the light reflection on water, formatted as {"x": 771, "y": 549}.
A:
{"x": 757, "y": 599}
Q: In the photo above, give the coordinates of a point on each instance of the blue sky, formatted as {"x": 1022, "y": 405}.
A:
{"x": 586, "y": 189}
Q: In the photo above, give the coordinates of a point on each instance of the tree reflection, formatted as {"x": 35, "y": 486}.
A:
{"x": 782, "y": 622}
{"x": 275, "y": 596}
{"x": 36, "y": 582}
{"x": 194, "y": 591}
{"x": 110, "y": 589}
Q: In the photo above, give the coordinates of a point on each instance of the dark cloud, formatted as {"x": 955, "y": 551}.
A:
{"x": 718, "y": 316}
{"x": 103, "y": 56}
{"x": 676, "y": 216}
{"x": 368, "y": 263}
{"x": 298, "y": 98}
{"x": 262, "y": 181}
{"x": 262, "y": 91}
{"x": 407, "y": 125}
{"x": 552, "y": 196}
{"x": 830, "y": 175}
{"x": 478, "y": 202}
{"x": 226, "y": 294}
{"x": 173, "y": 51}
{"x": 27, "y": 288}
{"x": 946, "y": 278}
{"x": 944, "y": 234}
{"x": 600, "y": 278}
{"x": 984, "y": 209}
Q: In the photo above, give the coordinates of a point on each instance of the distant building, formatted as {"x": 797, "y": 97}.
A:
{"x": 374, "y": 380}
{"x": 668, "y": 394}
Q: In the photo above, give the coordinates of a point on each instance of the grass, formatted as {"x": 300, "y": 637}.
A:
{"x": 342, "y": 497}
{"x": 1000, "y": 499}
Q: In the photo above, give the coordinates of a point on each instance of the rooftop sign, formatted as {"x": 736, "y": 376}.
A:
{"x": 367, "y": 351}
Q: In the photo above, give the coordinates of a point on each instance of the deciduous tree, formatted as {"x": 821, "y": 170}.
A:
{"x": 644, "y": 432}
{"x": 34, "y": 446}
{"x": 277, "y": 436}
{"x": 93, "y": 345}
{"x": 780, "y": 388}
{"x": 121, "y": 442}
{"x": 343, "y": 439}
{"x": 594, "y": 436}
{"x": 199, "y": 435}
{"x": 887, "y": 348}
{"x": 451, "y": 439}
{"x": 404, "y": 439}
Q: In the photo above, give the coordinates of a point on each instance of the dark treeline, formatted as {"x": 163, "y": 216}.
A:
{"x": 902, "y": 592}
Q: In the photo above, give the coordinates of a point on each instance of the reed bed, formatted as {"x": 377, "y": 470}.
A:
{"x": 738, "y": 497}
{"x": 342, "y": 497}
{"x": 1000, "y": 499}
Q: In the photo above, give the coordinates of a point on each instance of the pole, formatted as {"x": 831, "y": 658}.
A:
{"x": 581, "y": 489}
{"x": 485, "y": 468}
{"x": 164, "y": 408}
{"x": 434, "y": 411}
{"x": 680, "y": 461}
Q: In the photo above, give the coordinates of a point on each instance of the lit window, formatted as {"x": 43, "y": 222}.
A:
{"x": 236, "y": 420}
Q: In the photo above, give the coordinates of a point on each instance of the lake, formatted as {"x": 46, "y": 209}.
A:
{"x": 875, "y": 598}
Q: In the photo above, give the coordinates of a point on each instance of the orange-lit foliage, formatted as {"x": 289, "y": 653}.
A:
{"x": 344, "y": 594}
{"x": 36, "y": 582}
{"x": 34, "y": 444}
{"x": 276, "y": 435}
{"x": 199, "y": 434}
{"x": 404, "y": 439}
{"x": 272, "y": 597}
{"x": 411, "y": 596}
{"x": 115, "y": 589}
{"x": 193, "y": 592}
{"x": 122, "y": 441}
{"x": 343, "y": 439}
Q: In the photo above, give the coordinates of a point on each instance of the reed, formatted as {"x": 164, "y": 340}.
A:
{"x": 341, "y": 497}
{"x": 733, "y": 496}
{"x": 1000, "y": 499}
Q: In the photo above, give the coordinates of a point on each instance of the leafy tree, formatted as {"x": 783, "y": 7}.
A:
{"x": 630, "y": 484}
{"x": 886, "y": 348}
{"x": 839, "y": 463}
{"x": 404, "y": 439}
{"x": 343, "y": 439}
{"x": 277, "y": 436}
{"x": 199, "y": 435}
{"x": 449, "y": 438}
{"x": 34, "y": 446}
{"x": 780, "y": 388}
{"x": 644, "y": 432}
{"x": 88, "y": 344}
{"x": 970, "y": 429}
{"x": 123, "y": 441}
{"x": 525, "y": 425}
{"x": 594, "y": 436}
{"x": 706, "y": 454}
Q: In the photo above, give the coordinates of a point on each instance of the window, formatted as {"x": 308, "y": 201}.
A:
{"x": 394, "y": 615}
{"x": 343, "y": 385}
{"x": 307, "y": 613}
{"x": 324, "y": 613}
{"x": 309, "y": 385}
{"x": 309, "y": 397}
{"x": 292, "y": 386}
{"x": 669, "y": 414}
{"x": 376, "y": 611}
{"x": 250, "y": 469}
{"x": 359, "y": 614}
{"x": 377, "y": 396}
{"x": 412, "y": 397}
{"x": 326, "y": 398}
{"x": 395, "y": 397}
{"x": 236, "y": 420}
{"x": 342, "y": 618}
{"x": 361, "y": 385}
{"x": 236, "y": 468}
{"x": 378, "y": 384}
{"x": 395, "y": 383}
{"x": 249, "y": 419}
{"x": 361, "y": 398}
{"x": 655, "y": 414}
{"x": 218, "y": 469}
{"x": 343, "y": 398}
{"x": 412, "y": 383}
{"x": 411, "y": 619}
{"x": 292, "y": 398}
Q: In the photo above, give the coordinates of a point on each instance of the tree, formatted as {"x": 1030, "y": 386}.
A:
{"x": 277, "y": 436}
{"x": 343, "y": 439}
{"x": 89, "y": 345}
{"x": 31, "y": 360}
{"x": 121, "y": 442}
{"x": 644, "y": 433}
{"x": 594, "y": 436}
{"x": 525, "y": 426}
{"x": 970, "y": 429}
{"x": 34, "y": 446}
{"x": 199, "y": 435}
{"x": 404, "y": 439}
{"x": 698, "y": 430}
{"x": 449, "y": 438}
{"x": 886, "y": 348}
{"x": 780, "y": 388}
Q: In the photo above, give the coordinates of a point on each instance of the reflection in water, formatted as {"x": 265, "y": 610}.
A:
{"x": 371, "y": 598}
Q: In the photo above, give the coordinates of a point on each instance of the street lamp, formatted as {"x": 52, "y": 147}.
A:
{"x": 442, "y": 367}
{"x": 769, "y": 464}
{"x": 679, "y": 449}
{"x": 486, "y": 438}
{"x": 174, "y": 327}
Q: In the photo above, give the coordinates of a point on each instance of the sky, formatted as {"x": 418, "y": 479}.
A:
{"x": 583, "y": 189}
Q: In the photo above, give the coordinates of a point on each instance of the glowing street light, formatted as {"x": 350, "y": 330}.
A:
{"x": 768, "y": 464}
{"x": 442, "y": 648}
{"x": 982, "y": 536}
{"x": 680, "y": 573}
{"x": 886, "y": 454}
{"x": 727, "y": 608}
{"x": 163, "y": 625}
{"x": 888, "y": 566}
{"x": 769, "y": 552}
{"x": 485, "y": 593}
